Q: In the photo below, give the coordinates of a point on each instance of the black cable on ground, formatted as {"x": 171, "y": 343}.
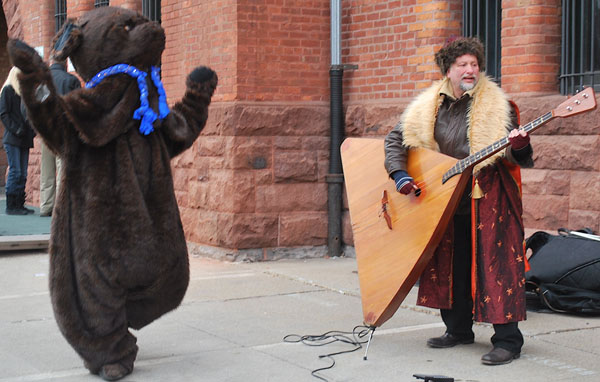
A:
{"x": 353, "y": 338}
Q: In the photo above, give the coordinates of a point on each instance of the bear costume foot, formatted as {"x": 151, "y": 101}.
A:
{"x": 113, "y": 372}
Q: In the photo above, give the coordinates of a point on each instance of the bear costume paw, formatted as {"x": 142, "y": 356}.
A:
{"x": 24, "y": 57}
{"x": 203, "y": 79}
{"x": 113, "y": 372}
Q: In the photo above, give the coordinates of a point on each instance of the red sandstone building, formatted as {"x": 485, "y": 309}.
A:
{"x": 256, "y": 180}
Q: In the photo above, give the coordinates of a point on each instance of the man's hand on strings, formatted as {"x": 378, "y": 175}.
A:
{"x": 519, "y": 139}
{"x": 405, "y": 184}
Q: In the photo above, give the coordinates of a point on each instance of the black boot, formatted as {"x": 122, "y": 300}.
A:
{"x": 21, "y": 203}
{"x": 11, "y": 201}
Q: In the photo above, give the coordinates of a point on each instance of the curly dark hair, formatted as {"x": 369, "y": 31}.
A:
{"x": 456, "y": 47}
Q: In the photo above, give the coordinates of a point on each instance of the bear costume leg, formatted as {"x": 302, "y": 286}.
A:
{"x": 90, "y": 312}
{"x": 94, "y": 308}
{"x": 142, "y": 309}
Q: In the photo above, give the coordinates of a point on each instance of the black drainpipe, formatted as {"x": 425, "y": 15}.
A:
{"x": 335, "y": 178}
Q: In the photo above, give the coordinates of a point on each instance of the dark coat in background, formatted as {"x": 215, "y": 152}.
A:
{"x": 17, "y": 131}
{"x": 63, "y": 81}
{"x": 118, "y": 255}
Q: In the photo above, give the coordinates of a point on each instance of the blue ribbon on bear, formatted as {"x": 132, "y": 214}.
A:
{"x": 144, "y": 112}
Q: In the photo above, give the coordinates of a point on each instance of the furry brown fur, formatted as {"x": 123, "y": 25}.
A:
{"x": 118, "y": 256}
{"x": 489, "y": 118}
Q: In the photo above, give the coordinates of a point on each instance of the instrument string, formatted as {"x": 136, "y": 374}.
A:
{"x": 378, "y": 211}
{"x": 421, "y": 185}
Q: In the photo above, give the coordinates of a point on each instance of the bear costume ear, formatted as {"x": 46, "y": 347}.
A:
{"x": 66, "y": 40}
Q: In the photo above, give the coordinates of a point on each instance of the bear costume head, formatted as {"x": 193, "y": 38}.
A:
{"x": 107, "y": 36}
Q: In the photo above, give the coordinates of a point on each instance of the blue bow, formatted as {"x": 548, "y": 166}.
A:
{"x": 144, "y": 112}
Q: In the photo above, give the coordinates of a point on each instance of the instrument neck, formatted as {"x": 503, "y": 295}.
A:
{"x": 492, "y": 149}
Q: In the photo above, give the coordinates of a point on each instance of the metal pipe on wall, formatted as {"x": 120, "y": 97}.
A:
{"x": 335, "y": 178}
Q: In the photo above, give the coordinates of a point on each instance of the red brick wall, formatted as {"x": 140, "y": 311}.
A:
{"x": 393, "y": 43}
{"x": 76, "y": 8}
{"x": 531, "y": 38}
{"x": 200, "y": 35}
{"x": 283, "y": 50}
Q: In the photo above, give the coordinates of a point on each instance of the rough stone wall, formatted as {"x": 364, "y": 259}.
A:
{"x": 256, "y": 178}
{"x": 563, "y": 189}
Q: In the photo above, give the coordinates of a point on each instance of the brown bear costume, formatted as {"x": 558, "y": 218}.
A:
{"x": 118, "y": 255}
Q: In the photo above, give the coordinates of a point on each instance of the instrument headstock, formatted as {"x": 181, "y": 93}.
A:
{"x": 583, "y": 101}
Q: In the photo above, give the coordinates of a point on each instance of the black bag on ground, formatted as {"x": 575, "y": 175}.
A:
{"x": 565, "y": 272}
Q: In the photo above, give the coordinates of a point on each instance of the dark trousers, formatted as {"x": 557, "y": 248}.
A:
{"x": 459, "y": 319}
{"x": 18, "y": 161}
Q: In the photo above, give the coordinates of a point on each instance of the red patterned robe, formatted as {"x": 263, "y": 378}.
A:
{"x": 498, "y": 254}
{"x": 498, "y": 260}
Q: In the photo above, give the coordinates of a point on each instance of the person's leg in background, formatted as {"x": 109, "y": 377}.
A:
{"x": 13, "y": 155}
{"x": 47, "y": 181}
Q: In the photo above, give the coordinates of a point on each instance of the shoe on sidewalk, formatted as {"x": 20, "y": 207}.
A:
{"x": 12, "y": 205}
{"x": 499, "y": 356}
{"x": 48, "y": 213}
{"x": 448, "y": 340}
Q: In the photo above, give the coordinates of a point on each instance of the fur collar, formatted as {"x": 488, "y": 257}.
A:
{"x": 488, "y": 118}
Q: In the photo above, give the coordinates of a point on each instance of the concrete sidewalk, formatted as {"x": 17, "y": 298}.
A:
{"x": 235, "y": 315}
{"x": 22, "y": 232}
